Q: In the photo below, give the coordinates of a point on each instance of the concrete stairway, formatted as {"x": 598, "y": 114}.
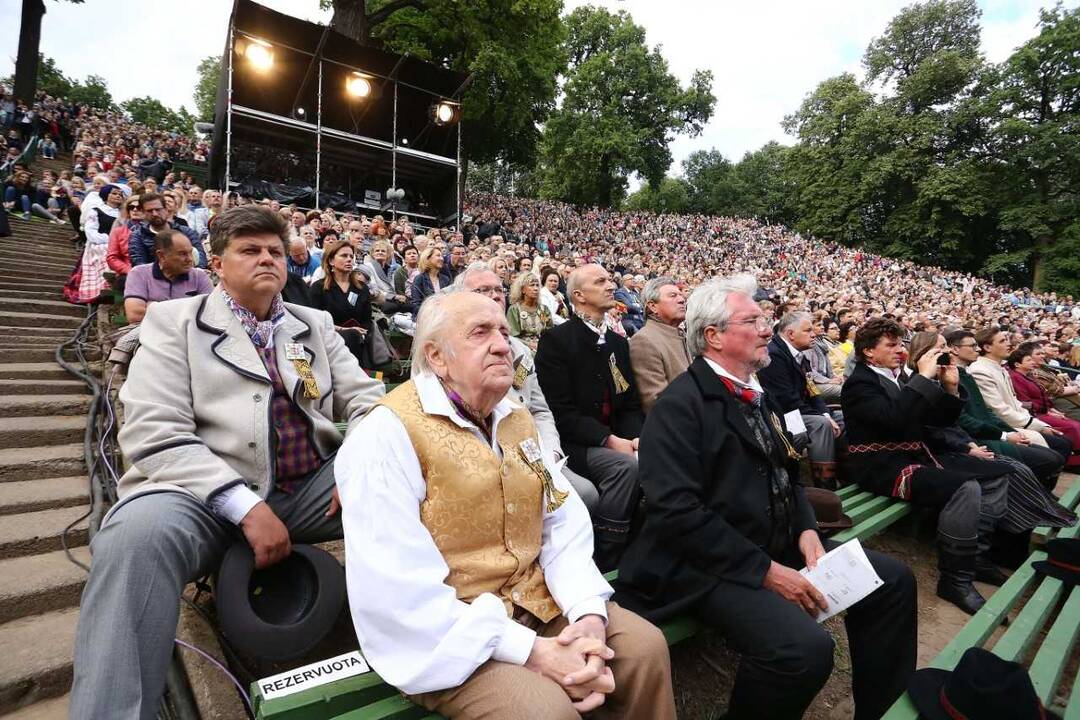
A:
{"x": 43, "y": 484}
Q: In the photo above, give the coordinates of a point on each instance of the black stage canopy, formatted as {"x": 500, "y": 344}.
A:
{"x": 290, "y": 130}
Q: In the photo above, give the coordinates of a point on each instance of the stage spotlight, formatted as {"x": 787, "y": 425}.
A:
{"x": 445, "y": 112}
{"x": 359, "y": 86}
{"x": 258, "y": 54}
{"x": 300, "y": 113}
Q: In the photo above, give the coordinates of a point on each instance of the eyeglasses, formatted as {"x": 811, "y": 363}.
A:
{"x": 490, "y": 290}
{"x": 760, "y": 322}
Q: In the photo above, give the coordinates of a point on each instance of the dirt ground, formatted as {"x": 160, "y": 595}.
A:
{"x": 704, "y": 668}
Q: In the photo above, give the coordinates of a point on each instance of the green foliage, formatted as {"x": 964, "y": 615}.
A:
{"x": 620, "y": 110}
{"x": 206, "y": 87}
{"x": 155, "y": 114}
{"x": 51, "y": 79}
{"x": 93, "y": 92}
{"x": 672, "y": 196}
{"x": 511, "y": 48}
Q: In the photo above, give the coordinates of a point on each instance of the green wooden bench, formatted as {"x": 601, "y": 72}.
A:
{"x": 367, "y": 697}
{"x": 1035, "y": 615}
{"x": 1071, "y": 500}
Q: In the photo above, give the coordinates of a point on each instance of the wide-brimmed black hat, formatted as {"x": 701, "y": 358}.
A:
{"x": 982, "y": 687}
{"x": 828, "y": 508}
{"x": 283, "y": 611}
{"x": 1062, "y": 560}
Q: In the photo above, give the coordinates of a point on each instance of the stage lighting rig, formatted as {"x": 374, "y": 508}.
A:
{"x": 360, "y": 86}
{"x": 445, "y": 113}
{"x": 258, "y": 53}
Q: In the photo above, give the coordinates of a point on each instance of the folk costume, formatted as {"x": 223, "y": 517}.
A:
{"x": 722, "y": 503}
{"x": 888, "y": 428}
{"x": 463, "y": 543}
{"x": 587, "y": 378}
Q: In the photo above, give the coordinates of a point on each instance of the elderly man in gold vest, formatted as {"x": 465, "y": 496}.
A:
{"x": 469, "y": 557}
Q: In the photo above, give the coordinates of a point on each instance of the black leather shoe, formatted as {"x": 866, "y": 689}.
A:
{"x": 989, "y": 573}
{"x": 960, "y": 593}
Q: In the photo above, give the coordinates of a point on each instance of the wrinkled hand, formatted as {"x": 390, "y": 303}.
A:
{"x": 980, "y": 451}
{"x": 792, "y": 586}
{"x": 836, "y": 431}
{"x": 266, "y": 534}
{"x": 595, "y": 678}
{"x": 1018, "y": 438}
{"x": 622, "y": 445}
{"x": 810, "y": 547}
{"x": 335, "y": 504}
{"x": 570, "y": 665}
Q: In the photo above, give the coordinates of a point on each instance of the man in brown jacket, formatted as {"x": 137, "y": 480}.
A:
{"x": 658, "y": 352}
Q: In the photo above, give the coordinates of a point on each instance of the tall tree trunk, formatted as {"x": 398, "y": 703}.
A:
{"x": 26, "y": 64}
{"x": 350, "y": 19}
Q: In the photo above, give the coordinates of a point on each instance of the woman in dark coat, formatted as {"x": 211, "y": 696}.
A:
{"x": 344, "y": 295}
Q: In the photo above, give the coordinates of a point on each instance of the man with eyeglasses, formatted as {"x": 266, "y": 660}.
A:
{"x": 142, "y": 243}
{"x": 525, "y": 390}
{"x": 1027, "y": 446}
{"x": 727, "y": 524}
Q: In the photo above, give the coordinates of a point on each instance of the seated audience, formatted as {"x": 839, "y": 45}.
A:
{"x": 987, "y": 428}
{"x": 527, "y": 316}
{"x": 344, "y": 294}
{"x": 199, "y": 452}
{"x": 826, "y": 382}
{"x": 658, "y": 351}
{"x": 525, "y": 389}
{"x": 551, "y": 297}
{"x": 302, "y": 261}
{"x": 634, "y": 318}
{"x": 888, "y": 428}
{"x": 506, "y": 616}
{"x": 116, "y": 256}
{"x": 381, "y": 272}
{"x": 1064, "y": 394}
{"x": 993, "y": 380}
{"x": 1022, "y": 363}
{"x": 141, "y": 244}
{"x": 172, "y": 275}
{"x": 410, "y": 268}
{"x": 92, "y": 265}
{"x": 428, "y": 280}
{"x": 787, "y": 380}
{"x": 727, "y": 526}
{"x": 585, "y": 374}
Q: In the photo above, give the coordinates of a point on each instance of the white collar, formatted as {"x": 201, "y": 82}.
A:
{"x": 433, "y": 400}
{"x": 797, "y": 354}
{"x": 886, "y": 373}
{"x": 600, "y": 331}
{"x": 753, "y": 384}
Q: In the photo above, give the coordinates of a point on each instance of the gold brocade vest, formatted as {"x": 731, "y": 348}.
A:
{"x": 485, "y": 514}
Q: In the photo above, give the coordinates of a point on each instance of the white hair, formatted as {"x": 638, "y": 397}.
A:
{"x": 792, "y": 319}
{"x": 431, "y": 323}
{"x": 708, "y": 306}
{"x": 474, "y": 268}
{"x": 651, "y": 293}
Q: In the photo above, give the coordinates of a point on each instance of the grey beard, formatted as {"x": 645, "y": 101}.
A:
{"x": 761, "y": 364}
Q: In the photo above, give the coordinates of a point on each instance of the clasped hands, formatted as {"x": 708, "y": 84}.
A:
{"x": 577, "y": 659}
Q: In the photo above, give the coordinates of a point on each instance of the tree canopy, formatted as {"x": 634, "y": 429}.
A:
{"x": 206, "y": 87}
{"x": 621, "y": 108}
{"x": 153, "y": 113}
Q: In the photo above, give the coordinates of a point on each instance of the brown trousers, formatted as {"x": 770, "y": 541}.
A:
{"x": 501, "y": 691}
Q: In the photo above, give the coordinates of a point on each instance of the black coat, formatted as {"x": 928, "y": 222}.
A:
{"x": 706, "y": 484}
{"x": 785, "y": 382}
{"x": 575, "y": 375}
{"x": 336, "y": 302}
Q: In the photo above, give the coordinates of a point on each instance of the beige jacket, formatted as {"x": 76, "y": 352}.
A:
{"x": 197, "y": 397}
{"x": 997, "y": 390}
{"x": 658, "y": 355}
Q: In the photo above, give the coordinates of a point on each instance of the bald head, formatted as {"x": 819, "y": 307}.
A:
{"x": 591, "y": 290}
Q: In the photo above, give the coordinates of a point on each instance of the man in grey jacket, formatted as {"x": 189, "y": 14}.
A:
{"x": 525, "y": 390}
{"x": 229, "y": 432}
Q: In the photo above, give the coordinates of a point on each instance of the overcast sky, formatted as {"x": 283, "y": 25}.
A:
{"x": 765, "y": 55}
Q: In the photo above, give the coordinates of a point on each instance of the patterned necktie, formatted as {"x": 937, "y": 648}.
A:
{"x": 743, "y": 393}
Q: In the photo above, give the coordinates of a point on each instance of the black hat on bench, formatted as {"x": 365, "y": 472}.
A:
{"x": 283, "y": 611}
{"x": 982, "y": 687}
{"x": 1062, "y": 560}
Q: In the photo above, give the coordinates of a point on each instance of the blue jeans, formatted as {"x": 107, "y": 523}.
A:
{"x": 11, "y": 194}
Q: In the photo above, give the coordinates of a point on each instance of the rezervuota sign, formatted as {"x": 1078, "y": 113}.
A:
{"x": 313, "y": 675}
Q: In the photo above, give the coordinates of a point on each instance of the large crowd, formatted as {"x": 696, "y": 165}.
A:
{"x": 590, "y": 389}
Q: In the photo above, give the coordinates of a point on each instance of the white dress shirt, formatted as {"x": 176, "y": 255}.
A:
{"x": 893, "y": 375}
{"x": 753, "y": 384}
{"x": 412, "y": 628}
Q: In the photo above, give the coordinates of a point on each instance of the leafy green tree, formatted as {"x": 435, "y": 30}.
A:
{"x": 511, "y": 49}
{"x": 1037, "y": 144}
{"x": 206, "y": 87}
{"x": 671, "y": 196}
{"x": 620, "y": 110}
{"x": 710, "y": 178}
{"x": 153, "y": 113}
{"x": 93, "y": 91}
{"x": 51, "y": 78}
{"x": 763, "y": 188}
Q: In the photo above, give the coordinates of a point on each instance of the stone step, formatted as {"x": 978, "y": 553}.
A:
{"x": 41, "y": 583}
{"x": 48, "y": 493}
{"x": 39, "y": 532}
{"x": 54, "y": 709}
{"x": 34, "y": 305}
{"x": 13, "y": 351}
{"x": 31, "y": 259}
{"x": 41, "y": 405}
{"x": 36, "y": 371}
{"x": 56, "y": 275}
{"x": 42, "y": 461}
{"x": 37, "y": 387}
{"x": 35, "y": 320}
{"x": 37, "y": 658}
{"x": 30, "y": 293}
{"x": 30, "y": 251}
{"x": 37, "y": 431}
